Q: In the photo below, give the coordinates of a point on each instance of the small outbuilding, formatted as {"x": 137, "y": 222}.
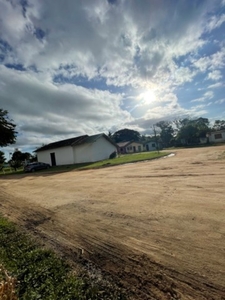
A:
{"x": 77, "y": 150}
{"x": 216, "y": 136}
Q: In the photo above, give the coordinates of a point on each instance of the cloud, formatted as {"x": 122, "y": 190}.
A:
{"x": 57, "y": 111}
{"x": 215, "y": 75}
{"x": 68, "y": 68}
{"x": 215, "y": 22}
{"x": 140, "y": 46}
{"x": 220, "y": 101}
{"x": 206, "y": 96}
{"x": 215, "y": 85}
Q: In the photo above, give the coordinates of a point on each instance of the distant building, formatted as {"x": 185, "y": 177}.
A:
{"x": 151, "y": 146}
{"x": 79, "y": 149}
{"x": 130, "y": 147}
{"x": 216, "y": 136}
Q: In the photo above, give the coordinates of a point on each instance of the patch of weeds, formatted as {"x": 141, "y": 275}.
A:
{"x": 40, "y": 273}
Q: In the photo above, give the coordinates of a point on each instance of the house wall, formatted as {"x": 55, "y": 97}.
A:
{"x": 102, "y": 149}
{"x": 99, "y": 150}
{"x": 138, "y": 147}
{"x": 63, "y": 156}
{"x": 217, "y": 137}
{"x": 82, "y": 153}
{"x": 150, "y": 146}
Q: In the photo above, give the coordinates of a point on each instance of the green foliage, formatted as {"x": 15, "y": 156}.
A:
{"x": 218, "y": 125}
{"x": 2, "y": 158}
{"x": 167, "y": 133}
{"x": 113, "y": 155}
{"x": 125, "y": 135}
{"x": 18, "y": 158}
{"x": 190, "y": 130}
{"x": 7, "y": 129}
{"x": 41, "y": 274}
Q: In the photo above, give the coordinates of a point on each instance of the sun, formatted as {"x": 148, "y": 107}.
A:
{"x": 149, "y": 97}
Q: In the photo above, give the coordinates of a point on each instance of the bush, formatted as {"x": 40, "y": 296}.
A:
{"x": 113, "y": 155}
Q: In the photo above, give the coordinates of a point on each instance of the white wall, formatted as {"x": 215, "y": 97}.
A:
{"x": 63, "y": 156}
{"x": 82, "y": 153}
{"x": 101, "y": 149}
{"x": 151, "y": 146}
{"x": 138, "y": 147}
{"x": 213, "y": 135}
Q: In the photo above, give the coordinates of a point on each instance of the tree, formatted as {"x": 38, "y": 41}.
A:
{"x": 167, "y": 132}
{"x": 18, "y": 158}
{"x": 2, "y": 158}
{"x": 218, "y": 125}
{"x": 190, "y": 130}
{"x": 7, "y": 129}
{"x": 125, "y": 135}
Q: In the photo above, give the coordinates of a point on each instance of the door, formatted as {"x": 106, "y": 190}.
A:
{"x": 53, "y": 161}
{"x": 134, "y": 149}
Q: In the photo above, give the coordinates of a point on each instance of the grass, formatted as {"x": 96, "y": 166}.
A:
{"x": 9, "y": 170}
{"x": 39, "y": 273}
{"x": 122, "y": 159}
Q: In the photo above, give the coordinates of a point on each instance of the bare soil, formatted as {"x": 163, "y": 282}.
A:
{"x": 156, "y": 228}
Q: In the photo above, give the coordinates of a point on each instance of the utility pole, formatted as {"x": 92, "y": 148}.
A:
{"x": 156, "y": 139}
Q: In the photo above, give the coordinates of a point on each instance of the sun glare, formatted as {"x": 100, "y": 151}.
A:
{"x": 148, "y": 97}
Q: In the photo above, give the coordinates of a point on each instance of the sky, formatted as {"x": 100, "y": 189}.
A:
{"x": 75, "y": 67}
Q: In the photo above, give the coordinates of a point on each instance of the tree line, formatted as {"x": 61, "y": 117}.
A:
{"x": 179, "y": 132}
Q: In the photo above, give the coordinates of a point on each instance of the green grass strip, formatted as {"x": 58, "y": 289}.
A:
{"x": 41, "y": 273}
{"x": 125, "y": 159}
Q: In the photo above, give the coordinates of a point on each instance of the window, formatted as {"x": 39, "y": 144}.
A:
{"x": 139, "y": 148}
{"x": 218, "y": 136}
{"x": 153, "y": 145}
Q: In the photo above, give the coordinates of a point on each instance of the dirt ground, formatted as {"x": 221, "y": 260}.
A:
{"x": 156, "y": 228}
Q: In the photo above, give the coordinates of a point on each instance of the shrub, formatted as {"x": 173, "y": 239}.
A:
{"x": 113, "y": 155}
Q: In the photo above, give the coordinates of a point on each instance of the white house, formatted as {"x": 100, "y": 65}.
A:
{"x": 77, "y": 150}
{"x": 130, "y": 147}
{"x": 216, "y": 136}
{"x": 151, "y": 146}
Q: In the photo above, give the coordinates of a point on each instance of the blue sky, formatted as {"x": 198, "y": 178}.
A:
{"x": 75, "y": 67}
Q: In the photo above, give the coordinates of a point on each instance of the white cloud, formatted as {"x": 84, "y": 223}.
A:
{"x": 206, "y": 96}
{"x": 56, "y": 111}
{"x": 220, "y": 101}
{"x": 212, "y": 62}
{"x": 215, "y": 75}
{"x": 215, "y": 85}
{"x": 215, "y": 22}
{"x": 131, "y": 45}
{"x": 77, "y": 34}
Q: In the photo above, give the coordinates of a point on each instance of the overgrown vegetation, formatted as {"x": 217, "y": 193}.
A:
{"x": 40, "y": 273}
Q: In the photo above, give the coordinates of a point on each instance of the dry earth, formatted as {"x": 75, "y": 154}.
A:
{"x": 156, "y": 228}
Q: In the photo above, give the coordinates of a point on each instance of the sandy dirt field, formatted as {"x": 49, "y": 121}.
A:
{"x": 156, "y": 228}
